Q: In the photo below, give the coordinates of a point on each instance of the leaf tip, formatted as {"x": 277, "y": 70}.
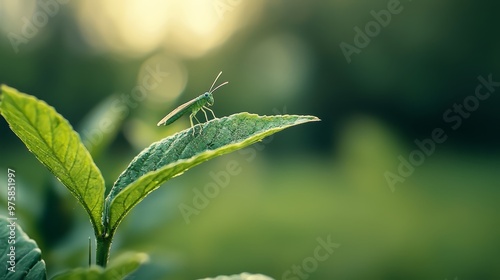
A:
{"x": 314, "y": 119}
{"x": 308, "y": 118}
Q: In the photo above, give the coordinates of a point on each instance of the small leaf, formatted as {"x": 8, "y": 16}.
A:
{"x": 117, "y": 270}
{"x": 92, "y": 273}
{"x": 54, "y": 143}
{"x": 243, "y": 276}
{"x": 173, "y": 155}
{"x": 101, "y": 125}
{"x": 28, "y": 263}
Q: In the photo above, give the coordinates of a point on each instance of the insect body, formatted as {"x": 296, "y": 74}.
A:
{"x": 193, "y": 106}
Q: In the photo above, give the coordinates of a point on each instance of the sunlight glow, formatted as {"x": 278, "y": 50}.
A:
{"x": 126, "y": 26}
{"x": 136, "y": 27}
{"x": 12, "y": 13}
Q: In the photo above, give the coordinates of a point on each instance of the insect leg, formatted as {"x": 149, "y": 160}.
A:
{"x": 193, "y": 114}
{"x": 191, "y": 121}
{"x": 204, "y": 112}
{"x": 210, "y": 111}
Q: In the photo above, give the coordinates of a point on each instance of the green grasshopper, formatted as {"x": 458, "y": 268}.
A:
{"x": 194, "y": 105}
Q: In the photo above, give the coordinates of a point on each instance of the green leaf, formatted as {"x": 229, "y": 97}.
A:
{"x": 28, "y": 263}
{"x": 243, "y": 276}
{"x": 101, "y": 125}
{"x": 173, "y": 155}
{"x": 118, "y": 269}
{"x": 54, "y": 143}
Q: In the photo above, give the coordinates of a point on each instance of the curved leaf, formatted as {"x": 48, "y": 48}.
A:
{"x": 28, "y": 263}
{"x": 54, "y": 143}
{"x": 173, "y": 155}
{"x": 101, "y": 125}
{"x": 117, "y": 270}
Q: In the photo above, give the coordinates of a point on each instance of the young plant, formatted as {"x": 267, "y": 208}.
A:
{"x": 56, "y": 145}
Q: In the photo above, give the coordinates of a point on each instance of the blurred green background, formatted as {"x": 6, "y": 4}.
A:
{"x": 114, "y": 68}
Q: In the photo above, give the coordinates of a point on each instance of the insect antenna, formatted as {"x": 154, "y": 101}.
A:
{"x": 225, "y": 83}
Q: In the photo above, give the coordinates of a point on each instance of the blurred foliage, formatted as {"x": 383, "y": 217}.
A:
{"x": 327, "y": 178}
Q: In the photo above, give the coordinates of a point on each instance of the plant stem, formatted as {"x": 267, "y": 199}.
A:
{"x": 102, "y": 250}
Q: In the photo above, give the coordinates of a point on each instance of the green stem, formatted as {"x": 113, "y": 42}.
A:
{"x": 102, "y": 250}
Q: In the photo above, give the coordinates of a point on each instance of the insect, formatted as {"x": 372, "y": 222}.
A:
{"x": 194, "y": 105}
